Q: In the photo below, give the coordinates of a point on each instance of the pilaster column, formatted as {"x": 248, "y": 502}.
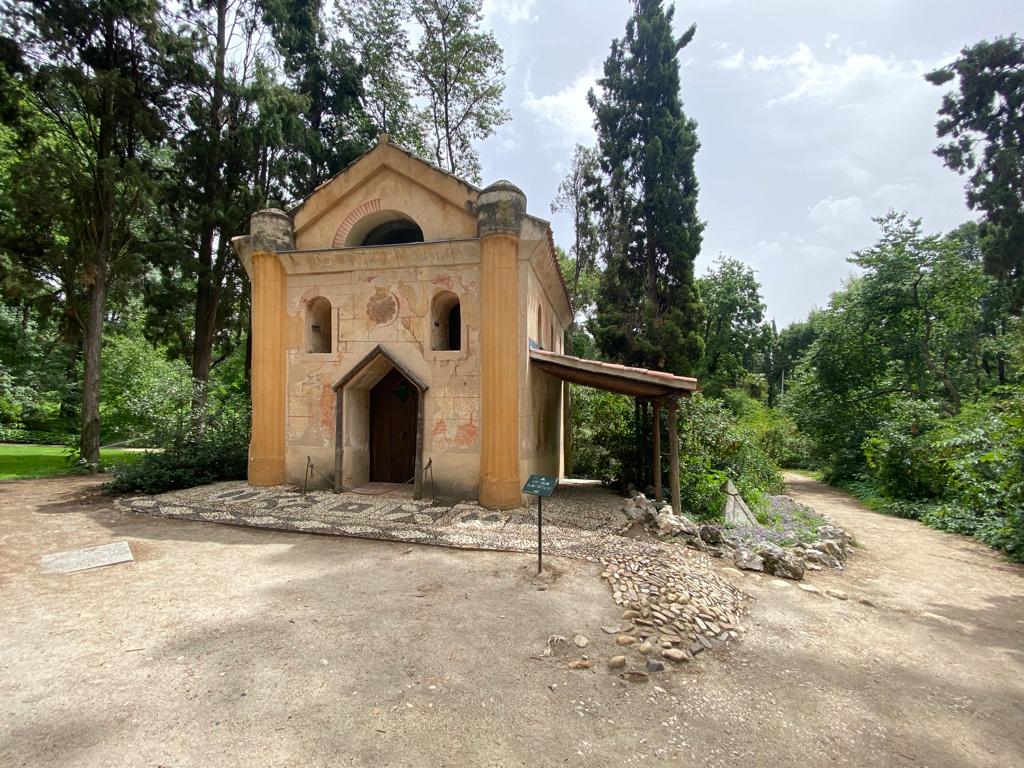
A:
{"x": 270, "y": 232}
{"x": 500, "y": 211}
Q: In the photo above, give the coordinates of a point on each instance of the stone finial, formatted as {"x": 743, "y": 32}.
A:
{"x": 270, "y": 230}
{"x": 500, "y": 209}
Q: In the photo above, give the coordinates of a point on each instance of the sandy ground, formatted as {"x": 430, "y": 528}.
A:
{"x": 230, "y": 646}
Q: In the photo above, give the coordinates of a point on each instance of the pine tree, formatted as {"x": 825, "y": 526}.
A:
{"x": 983, "y": 124}
{"x": 322, "y": 68}
{"x": 214, "y": 182}
{"x": 648, "y": 310}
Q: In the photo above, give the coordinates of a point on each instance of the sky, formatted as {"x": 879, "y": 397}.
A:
{"x": 813, "y": 117}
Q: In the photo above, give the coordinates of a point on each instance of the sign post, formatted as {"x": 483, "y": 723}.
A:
{"x": 540, "y": 486}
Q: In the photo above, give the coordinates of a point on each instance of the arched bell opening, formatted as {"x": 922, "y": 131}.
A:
{"x": 384, "y": 228}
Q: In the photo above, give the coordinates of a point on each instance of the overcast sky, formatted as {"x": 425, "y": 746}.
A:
{"x": 813, "y": 116}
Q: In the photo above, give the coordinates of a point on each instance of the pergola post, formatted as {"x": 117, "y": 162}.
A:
{"x": 656, "y": 412}
{"x": 673, "y": 455}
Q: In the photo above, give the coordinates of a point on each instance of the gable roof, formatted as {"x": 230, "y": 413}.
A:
{"x": 383, "y": 140}
{"x": 387, "y": 154}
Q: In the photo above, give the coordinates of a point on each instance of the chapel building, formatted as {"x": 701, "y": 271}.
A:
{"x": 393, "y": 311}
{"x": 408, "y": 328}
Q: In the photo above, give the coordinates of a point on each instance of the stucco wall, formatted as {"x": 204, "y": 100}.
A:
{"x": 540, "y": 394}
{"x": 382, "y": 296}
{"x": 323, "y": 222}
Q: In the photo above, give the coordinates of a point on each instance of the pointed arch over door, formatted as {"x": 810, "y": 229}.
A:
{"x": 380, "y": 386}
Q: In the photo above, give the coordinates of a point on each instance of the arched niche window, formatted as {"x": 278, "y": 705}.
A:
{"x": 540, "y": 330}
{"x": 318, "y": 325}
{"x": 446, "y": 322}
{"x": 384, "y": 228}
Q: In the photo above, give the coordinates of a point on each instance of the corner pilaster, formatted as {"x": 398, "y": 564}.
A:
{"x": 500, "y": 211}
{"x": 270, "y": 232}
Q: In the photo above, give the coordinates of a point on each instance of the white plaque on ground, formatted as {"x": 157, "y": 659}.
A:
{"x": 90, "y": 557}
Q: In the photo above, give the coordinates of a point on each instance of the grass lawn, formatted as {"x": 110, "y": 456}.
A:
{"x": 22, "y": 461}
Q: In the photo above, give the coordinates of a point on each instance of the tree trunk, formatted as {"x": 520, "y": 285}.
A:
{"x": 208, "y": 273}
{"x": 89, "y": 445}
{"x": 208, "y": 291}
{"x": 101, "y": 225}
{"x": 652, "y": 274}
{"x": 69, "y": 399}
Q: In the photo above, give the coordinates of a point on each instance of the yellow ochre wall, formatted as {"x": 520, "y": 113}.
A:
{"x": 489, "y": 418}
{"x": 541, "y": 400}
{"x": 384, "y": 298}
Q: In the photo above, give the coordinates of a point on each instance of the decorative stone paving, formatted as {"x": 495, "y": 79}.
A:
{"x": 673, "y": 596}
{"x": 575, "y": 519}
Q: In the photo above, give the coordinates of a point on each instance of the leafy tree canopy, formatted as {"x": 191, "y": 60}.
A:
{"x": 460, "y": 71}
{"x": 983, "y": 120}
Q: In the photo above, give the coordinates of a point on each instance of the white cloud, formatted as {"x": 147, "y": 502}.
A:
{"x": 852, "y": 216}
{"x": 566, "y": 111}
{"x": 732, "y": 62}
{"x": 835, "y": 215}
{"x": 849, "y": 168}
{"x": 506, "y": 139}
{"x": 808, "y": 77}
{"x": 512, "y": 11}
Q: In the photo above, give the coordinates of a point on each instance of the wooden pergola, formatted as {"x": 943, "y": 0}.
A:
{"x": 657, "y": 388}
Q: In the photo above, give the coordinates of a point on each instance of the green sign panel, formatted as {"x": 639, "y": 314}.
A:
{"x": 540, "y": 485}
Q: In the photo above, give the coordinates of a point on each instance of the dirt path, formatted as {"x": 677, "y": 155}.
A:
{"x": 229, "y": 646}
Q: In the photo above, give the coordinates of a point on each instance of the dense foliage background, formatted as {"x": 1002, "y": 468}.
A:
{"x": 137, "y": 138}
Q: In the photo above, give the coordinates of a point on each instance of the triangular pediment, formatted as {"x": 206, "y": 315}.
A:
{"x": 387, "y": 178}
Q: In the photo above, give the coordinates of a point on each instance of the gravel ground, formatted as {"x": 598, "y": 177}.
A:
{"x": 233, "y": 646}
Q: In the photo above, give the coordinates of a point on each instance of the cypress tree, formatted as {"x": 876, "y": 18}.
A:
{"x": 648, "y": 311}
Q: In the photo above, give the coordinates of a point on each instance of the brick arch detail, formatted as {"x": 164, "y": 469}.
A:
{"x": 308, "y": 296}
{"x": 353, "y": 218}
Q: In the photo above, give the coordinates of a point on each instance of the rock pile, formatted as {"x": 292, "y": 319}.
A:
{"x": 748, "y": 545}
{"x": 675, "y": 604}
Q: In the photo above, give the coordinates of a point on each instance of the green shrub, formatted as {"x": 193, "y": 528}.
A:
{"x": 604, "y": 437}
{"x": 37, "y": 437}
{"x": 142, "y": 391}
{"x": 773, "y": 430}
{"x": 899, "y": 453}
{"x": 962, "y": 473}
{"x": 715, "y": 446}
{"x": 195, "y": 452}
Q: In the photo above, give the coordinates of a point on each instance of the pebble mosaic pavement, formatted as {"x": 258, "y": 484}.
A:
{"x": 576, "y": 520}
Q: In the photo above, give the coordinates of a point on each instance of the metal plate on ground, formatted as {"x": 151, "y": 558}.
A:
{"x": 90, "y": 557}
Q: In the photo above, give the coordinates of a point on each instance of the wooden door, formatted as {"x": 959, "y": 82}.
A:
{"x": 394, "y": 409}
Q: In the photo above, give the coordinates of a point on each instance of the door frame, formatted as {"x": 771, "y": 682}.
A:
{"x": 361, "y": 379}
